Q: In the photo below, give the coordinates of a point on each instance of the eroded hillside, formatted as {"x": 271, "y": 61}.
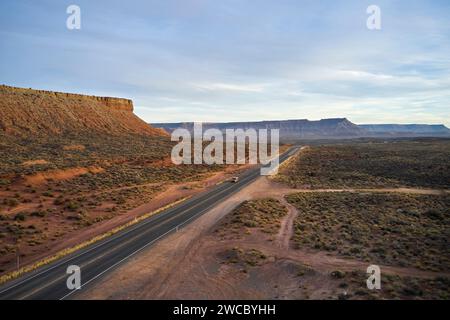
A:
{"x": 74, "y": 166}
{"x": 26, "y": 111}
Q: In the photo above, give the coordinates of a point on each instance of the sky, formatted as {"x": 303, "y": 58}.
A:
{"x": 238, "y": 60}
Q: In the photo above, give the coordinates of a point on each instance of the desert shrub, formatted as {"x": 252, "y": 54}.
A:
{"x": 248, "y": 257}
{"x": 399, "y": 163}
{"x": 377, "y": 227}
{"x": 20, "y": 216}
{"x": 72, "y": 206}
{"x": 58, "y": 201}
{"x": 337, "y": 274}
{"x": 262, "y": 214}
{"x": 39, "y": 213}
{"x": 11, "y": 202}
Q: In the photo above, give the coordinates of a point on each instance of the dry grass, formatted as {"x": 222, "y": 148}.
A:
{"x": 262, "y": 214}
{"x": 12, "y": 275}
{"x": 422, "y": 163}
{"x": 73, "y": 188}
{"x": 243, "y": 257}
{"x": 352, "y": 285}
{"x": 380, "y": 228}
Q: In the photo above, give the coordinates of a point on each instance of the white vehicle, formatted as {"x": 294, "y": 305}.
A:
{"x": 235, "y": 179}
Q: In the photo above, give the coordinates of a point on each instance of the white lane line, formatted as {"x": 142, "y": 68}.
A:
{"x": 115, "y": 264}
{"x": 82, "y": 253}
{"x": 140, "y": 235}
{"x": 151, "y": 242}
{"x": 115, "y": 238}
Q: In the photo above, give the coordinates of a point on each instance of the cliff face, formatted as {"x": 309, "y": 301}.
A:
{"x": 26, "y": 111}
{"x": 323, "y": 129}
{"x": 289, "y": 129}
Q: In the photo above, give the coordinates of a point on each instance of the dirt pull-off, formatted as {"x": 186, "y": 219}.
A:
{"x": 200, "y": 262}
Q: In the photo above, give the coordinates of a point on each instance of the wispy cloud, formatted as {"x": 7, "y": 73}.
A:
{"x": 184, "y": 60}
{"x": 229, "y": 87}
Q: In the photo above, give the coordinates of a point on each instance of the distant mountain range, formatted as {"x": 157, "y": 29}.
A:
{"x": 289, "y": 129}
{"x": 335, "y": 128}
{"x": 28, "y": 112}
{"x": 411, "y": 129}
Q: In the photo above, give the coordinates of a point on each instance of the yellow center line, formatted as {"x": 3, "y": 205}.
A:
{"x": 125, "y": 243}
{"x": 251, "y": 176}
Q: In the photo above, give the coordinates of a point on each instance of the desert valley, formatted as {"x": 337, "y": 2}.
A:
{"x": 75, "y": 170}
{"x": 74, "y": 167}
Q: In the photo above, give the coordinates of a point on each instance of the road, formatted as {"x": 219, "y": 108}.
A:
{"x": 49, "y": 282}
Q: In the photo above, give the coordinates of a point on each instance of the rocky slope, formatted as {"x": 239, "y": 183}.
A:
{"x": 25, "y": 112}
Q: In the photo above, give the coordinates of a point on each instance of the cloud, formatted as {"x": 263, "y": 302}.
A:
{"x": 222, "y": 61}
{"x": 229, "y": 87}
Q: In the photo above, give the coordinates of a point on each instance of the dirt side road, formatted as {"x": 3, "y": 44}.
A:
{"x": 191, "y": 265}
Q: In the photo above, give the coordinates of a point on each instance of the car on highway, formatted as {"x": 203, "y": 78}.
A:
{"x": 234, "y": 179}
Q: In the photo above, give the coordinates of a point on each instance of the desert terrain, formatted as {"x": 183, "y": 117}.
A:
{"x": 73, "y": 167}
{"x": 311, "y": 236}
{"x": 310, "y": 232}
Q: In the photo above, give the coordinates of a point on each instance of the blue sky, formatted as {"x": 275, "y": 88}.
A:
{"x": 232, "y": 60}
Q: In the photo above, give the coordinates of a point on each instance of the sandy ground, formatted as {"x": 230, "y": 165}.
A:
{"x": 151, "y": 268}
{"x": 192, "y": 263}
{"x": 170, "y": 194}
{"x": 60, "y": 235}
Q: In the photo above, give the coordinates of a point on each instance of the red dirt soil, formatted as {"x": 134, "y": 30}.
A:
{"x": 190, "y": 264}
{"x": 27, "y": 112}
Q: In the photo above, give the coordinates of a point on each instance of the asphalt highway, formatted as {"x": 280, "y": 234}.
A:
{"x": 49, "y": 282}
